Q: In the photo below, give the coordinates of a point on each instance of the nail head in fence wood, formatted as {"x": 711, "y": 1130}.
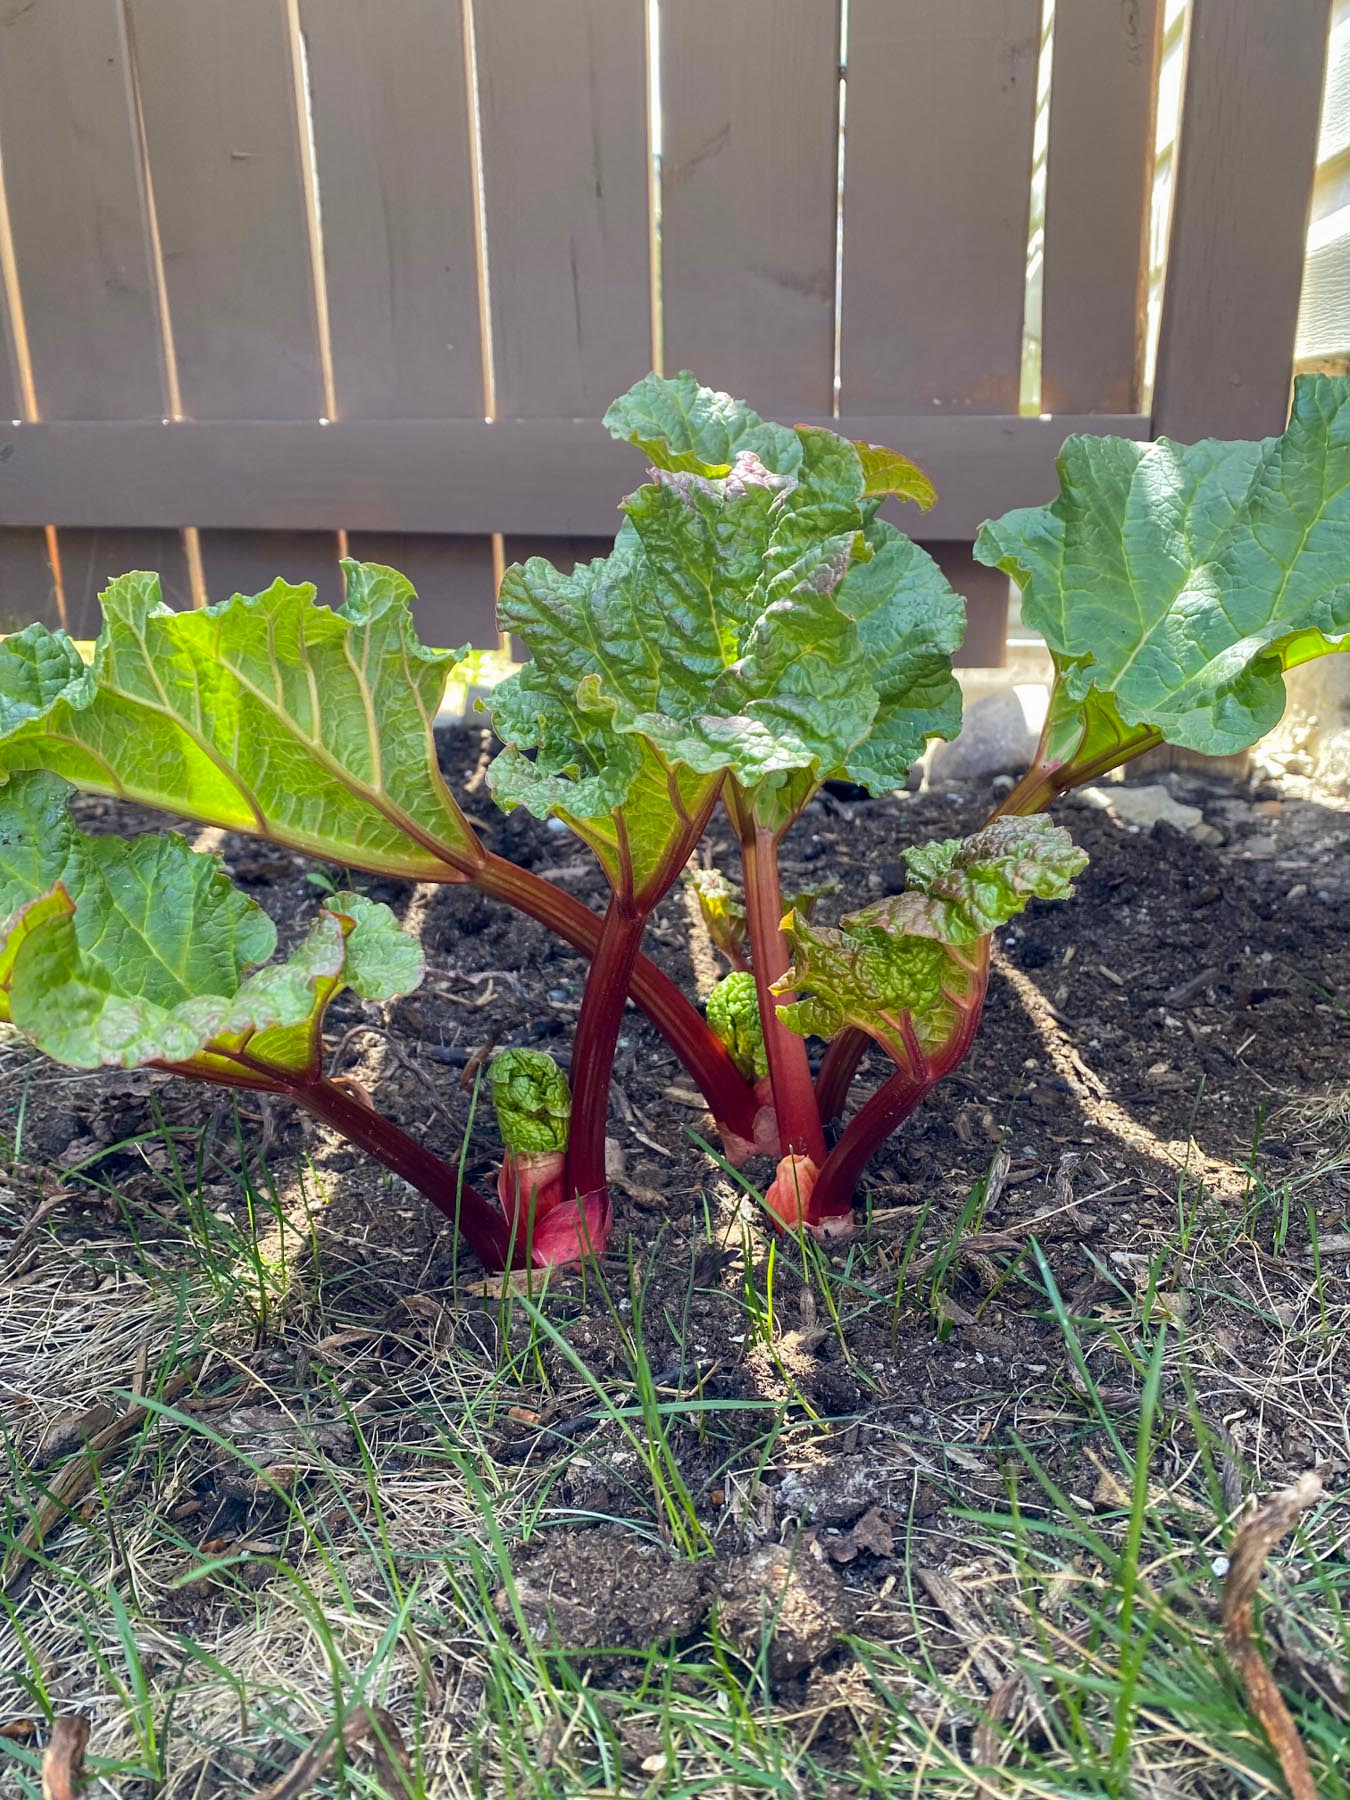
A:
{"x": 76, "y": 206}
{"x": 547, "y": 477}
{"x": 562, "y": 94}
{"x": 395, "y": 173}
{"x": 224, "y": 148}
{"x": 937, "y": 187}
{"x": 1099, "y": 169}
{"x": 750, "y": 122}
{"x": 1244, "y": 175}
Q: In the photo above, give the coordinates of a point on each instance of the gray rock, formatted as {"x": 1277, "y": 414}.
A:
{"x": 998, "y": 737}
{"x": 1142, "y": 807}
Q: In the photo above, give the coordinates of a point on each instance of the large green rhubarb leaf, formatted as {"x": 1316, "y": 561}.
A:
{"x": 912, "y": 963}
{"x": 1175, "y": 584}
{"x": 129, "y": 951}
{"x": 755, "y": 619}
{"x": 267, "y": 714}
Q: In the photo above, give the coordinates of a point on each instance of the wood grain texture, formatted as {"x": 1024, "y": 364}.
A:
{"x": 1098, "y": 175}
{"x": 529, "y": 476}
{"x": 1244, "y": 176}
{"x": 76, "y": 202}
{"x": 223, "y": 142}
{"x": 246, "y": 562}
{"x": 941, "y": 108}
{"x": 456, "y": 600}
{"x": 90, "y": 559}
{"x": 562, "y": 91}
{"x": 750, "y": 121}
{"x": 395, "y": 174}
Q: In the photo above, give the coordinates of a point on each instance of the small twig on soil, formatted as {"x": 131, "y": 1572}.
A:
{"x": 1253, "y": 1543}
{"x": 63, "y": 1759}
{"x": 370, "y": 1724}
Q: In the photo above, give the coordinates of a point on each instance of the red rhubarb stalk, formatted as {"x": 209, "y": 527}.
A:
{"x": 794, "y": 1099}
{"x": 593, "y": 1048}
{"x": 728, "y": 1094}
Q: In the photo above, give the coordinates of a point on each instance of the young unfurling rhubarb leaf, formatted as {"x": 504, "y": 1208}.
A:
{"x": 722, "y": 911}
{"x": 533, "y": 1104}
{"x": 1176, "y": 583}
{"x": 907, "y": 969}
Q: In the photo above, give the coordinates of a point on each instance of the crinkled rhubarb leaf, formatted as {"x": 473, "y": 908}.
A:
{"x": 266, "y": 714}
{"x": 680, "y": 425}
{"x": 1175, "y": 584}
{"x": 129, "y": 951}
{"x": 733, "y": 1016}
{"x": 913, "y": 961}
{"x": 754, "y": 619}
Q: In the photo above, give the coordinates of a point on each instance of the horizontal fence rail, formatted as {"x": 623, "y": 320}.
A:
{"x": 284, "y": 279}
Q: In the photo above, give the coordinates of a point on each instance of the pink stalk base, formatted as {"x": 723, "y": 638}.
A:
{"x": 739, "y": 1150}
{"x": 549, "y": 1227}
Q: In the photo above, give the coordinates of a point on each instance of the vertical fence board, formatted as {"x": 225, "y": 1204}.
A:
{"x": 27, "y": 590}
{"x": 565, "y": 175}
{"x": 73, "y": 179}
{"x": 453, "y": 578}
{"x": 246, "y": 562}
{"x": 986, "y": 592}
{"x": 941, "y": 108}
{"x": 1098, "y": 175}
{"x": 750, "y": 121}
{"x": 90, "y": 559}
{"x": 223, "y": 141}
{"x": 937, "y": 185}
{"x": 1244, "y": 176}
{"x": 392, "y": 141}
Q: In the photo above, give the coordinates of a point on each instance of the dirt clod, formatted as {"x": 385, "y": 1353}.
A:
{"x": 779, "y": 1598}
{"x": 604, "y": 1590}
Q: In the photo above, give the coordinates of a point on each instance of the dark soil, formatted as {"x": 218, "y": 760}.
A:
{"x": 1141, "y": 1049}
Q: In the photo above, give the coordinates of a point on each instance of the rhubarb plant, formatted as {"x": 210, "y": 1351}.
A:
{"x": 757, "y": 630}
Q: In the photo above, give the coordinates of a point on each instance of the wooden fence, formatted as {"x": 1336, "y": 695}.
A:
{"x": 280, "y": 275}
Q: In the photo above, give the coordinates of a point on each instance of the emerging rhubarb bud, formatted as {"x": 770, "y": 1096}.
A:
{"x": 533, "y": 1105}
